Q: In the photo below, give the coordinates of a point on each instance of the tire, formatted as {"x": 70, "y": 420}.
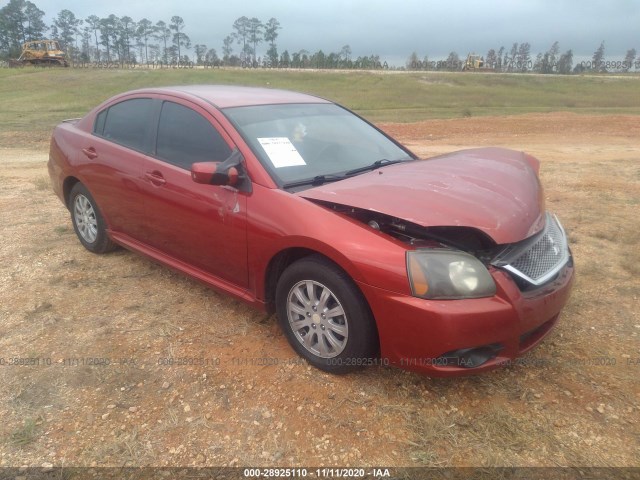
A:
{"x": 335, "y": 331}
{"x": 88, "y": 222}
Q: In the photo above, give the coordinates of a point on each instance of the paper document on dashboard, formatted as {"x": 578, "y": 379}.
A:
{"x": 281, "y": 152}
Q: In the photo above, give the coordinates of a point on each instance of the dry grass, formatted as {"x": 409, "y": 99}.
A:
{"x": 26, "y": 433}
{"x": 42, "y": 183}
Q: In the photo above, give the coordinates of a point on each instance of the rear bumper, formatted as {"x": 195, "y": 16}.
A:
{"x": 56, "y": 172}
{"x": 54, "y": 175}
{"x": 420, "y": 335}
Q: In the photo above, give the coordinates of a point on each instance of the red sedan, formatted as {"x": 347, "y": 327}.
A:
{"x": 369, "y": 255}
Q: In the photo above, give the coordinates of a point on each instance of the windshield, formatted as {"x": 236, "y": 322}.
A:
{"x": 298, "y": 142}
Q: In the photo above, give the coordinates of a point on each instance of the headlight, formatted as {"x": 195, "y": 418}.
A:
{"x": 447, "y": 274}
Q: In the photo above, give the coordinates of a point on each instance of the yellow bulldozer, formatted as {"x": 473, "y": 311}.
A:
{"x": 44, "y": 53}
{"x": 476, "y": 63}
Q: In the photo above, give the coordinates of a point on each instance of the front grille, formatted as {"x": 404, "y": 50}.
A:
{"x": 537, "y": 260}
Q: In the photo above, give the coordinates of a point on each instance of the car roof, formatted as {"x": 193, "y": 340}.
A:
{"x": 225, "y": 96}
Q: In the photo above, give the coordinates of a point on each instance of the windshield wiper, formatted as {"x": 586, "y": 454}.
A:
{"x": 317, "y": 180}
{"x": 321, "y": 179}
{"x": 374, "y": 165}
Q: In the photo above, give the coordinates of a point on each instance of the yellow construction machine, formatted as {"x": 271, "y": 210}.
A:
{"x": 476, "y": 63}
{"x": 43, "y": 52}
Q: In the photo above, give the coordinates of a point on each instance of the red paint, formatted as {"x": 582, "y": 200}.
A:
{"x": 227, "y": 238}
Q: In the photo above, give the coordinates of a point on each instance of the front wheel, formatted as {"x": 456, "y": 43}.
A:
{"x": 324, "y": 316}
{"x": 88, "y": 222}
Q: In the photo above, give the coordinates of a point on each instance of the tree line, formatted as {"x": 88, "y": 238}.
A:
{"x": 123, "y": 40}
{"x": 519, "y": 59}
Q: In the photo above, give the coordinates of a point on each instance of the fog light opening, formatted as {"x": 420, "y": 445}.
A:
{"x": 470, "y": 357}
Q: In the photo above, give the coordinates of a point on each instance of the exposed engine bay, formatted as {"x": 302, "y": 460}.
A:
{"x": 526, "y": 253}
{"x": 467, "y": 239}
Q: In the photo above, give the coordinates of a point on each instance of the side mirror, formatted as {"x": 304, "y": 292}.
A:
{"x": 209, "y": 173}
{"x": 219, "y": 173}
{"x": 203, "y": 172}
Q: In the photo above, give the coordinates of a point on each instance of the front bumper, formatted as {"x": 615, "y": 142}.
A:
{"x": 419, "y": 335}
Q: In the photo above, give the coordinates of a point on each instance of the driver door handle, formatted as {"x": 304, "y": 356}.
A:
{"x": 155, "y": 177}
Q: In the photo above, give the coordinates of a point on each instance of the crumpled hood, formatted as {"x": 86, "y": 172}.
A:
{"x": 492, "y": 189}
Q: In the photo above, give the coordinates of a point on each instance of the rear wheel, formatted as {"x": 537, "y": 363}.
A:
{"x": 88, "y": 222}
{"x": 324, "y": 316}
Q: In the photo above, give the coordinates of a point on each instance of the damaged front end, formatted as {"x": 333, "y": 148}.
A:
{"x": 467, "y": 239}
{"x": 512, "y": 292}
{"x": 531, "y": 263}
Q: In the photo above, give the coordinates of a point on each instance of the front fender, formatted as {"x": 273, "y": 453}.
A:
{"x": 278, "y": 221}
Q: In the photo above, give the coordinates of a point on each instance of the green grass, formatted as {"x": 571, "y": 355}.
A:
{"x": 34, "y": 100}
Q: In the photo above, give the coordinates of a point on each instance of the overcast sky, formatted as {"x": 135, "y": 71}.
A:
{"x": 395, "y": 29}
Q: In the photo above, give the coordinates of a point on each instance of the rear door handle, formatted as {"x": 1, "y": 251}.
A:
{"x": 90, "y": 152}
{"x": 155, "y": 177}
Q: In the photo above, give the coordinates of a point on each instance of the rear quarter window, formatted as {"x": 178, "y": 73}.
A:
{"x": 98, "y": 127}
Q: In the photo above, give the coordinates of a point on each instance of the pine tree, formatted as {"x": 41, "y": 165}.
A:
{"x": 597, "y": 62}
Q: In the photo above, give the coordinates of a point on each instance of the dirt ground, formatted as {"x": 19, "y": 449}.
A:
{"x": 95, "y": 333}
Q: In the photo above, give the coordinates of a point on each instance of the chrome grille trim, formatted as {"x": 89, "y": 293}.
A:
{"x": 540, "y": 261}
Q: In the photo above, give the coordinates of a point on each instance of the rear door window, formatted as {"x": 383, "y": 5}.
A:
{"x": 128, "y": 123}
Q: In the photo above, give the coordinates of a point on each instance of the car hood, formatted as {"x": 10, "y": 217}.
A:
{"x": 494, "y": 190}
